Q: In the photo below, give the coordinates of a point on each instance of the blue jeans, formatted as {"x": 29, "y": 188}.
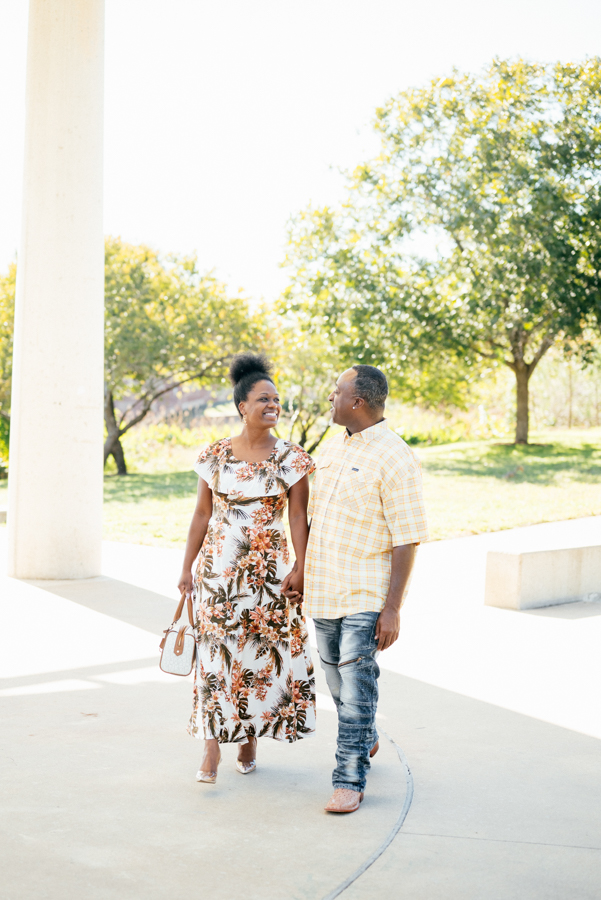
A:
{"x": 347, "y": 651}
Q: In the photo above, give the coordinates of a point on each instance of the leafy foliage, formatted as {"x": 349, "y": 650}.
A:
{"x": 368, "y": 304}
{"x": 165, "y": 325}
{"x": 504, "y": 171}
{"x": 7, "y": 316}
{"x": 307, "y": 365}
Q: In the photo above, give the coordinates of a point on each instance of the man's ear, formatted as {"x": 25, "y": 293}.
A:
{"x": 358, "y": 402}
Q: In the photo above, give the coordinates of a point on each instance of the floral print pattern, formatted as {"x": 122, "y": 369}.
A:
{"x": 254, "y": 675}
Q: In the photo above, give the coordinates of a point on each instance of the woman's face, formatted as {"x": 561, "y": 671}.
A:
{"x": 262, "y": 407}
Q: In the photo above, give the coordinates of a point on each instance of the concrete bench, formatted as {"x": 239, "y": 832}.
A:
{"x": 531, "y": 579}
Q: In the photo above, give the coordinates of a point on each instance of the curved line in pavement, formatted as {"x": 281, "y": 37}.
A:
{"x": 392, "y": 834}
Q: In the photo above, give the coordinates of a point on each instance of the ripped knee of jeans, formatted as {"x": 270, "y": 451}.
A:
{"x": 325, "y": 662}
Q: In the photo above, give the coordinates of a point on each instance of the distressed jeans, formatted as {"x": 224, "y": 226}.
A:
{"x": 347, "y": 651}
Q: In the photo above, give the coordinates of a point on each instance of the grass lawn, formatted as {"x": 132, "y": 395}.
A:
{"x": 150, "y": 508}
{"x": 469, "y": 487}
{"x": 475, "y": 487}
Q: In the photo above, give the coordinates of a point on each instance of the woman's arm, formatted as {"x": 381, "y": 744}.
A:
{"x": 196, "y": 534}
{"x": 298, "y": 498}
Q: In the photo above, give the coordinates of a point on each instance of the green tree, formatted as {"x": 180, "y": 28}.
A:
{"x": 306, "y": 370}
{"x": 165, "y": 325}
{"x": 7, "y": 317}
{"x": 365, "y": 303}
{"x": 503, "y": 171}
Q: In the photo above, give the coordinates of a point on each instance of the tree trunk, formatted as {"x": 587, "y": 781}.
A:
{"x": 522, "y": 371}
{"x": 119, "y": 457}
{"x": 570, "y": 394}
{"x": 112, "y": 445}
{"x": 522, "y": 377}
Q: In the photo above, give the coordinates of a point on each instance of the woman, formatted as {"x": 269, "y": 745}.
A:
{"x": 254, "y": 675}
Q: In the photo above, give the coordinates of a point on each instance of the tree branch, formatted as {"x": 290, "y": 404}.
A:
{"x": 546, "y": 342}
{"x": 483, "y": 353}
{"x": 458, "y": 242}
{"x": 148, "y": 398}
{"x": 318, "y": 441}
{"x": 292, "y": 423}
{"x": 543, "y": 323}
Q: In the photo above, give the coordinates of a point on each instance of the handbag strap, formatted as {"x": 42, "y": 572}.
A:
{"x": 180, "y": 609}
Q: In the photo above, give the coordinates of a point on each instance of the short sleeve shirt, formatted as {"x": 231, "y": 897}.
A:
{"x": 366, "y": 499}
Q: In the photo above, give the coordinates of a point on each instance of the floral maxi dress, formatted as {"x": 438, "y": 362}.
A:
{"x": 254, "y": 675}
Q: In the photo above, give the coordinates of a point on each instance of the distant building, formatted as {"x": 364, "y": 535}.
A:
{"x": 192, "y": 405}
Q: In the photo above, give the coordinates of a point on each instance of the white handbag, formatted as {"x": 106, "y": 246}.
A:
{"x": 179, "y": 644}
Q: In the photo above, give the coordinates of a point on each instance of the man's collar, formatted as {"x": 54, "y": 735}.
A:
{"x": 368, "y": 433}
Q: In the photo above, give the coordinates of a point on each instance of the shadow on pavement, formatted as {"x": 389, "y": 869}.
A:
{"x": 100, "y": 798}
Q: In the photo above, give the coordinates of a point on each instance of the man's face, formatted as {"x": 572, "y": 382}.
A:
{"x": 343, "y": 398}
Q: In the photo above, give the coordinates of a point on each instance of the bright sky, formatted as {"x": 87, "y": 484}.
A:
{"x": 225, "y": 118}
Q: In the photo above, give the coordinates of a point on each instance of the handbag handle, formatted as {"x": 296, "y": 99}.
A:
{"x": 180, "y": 608}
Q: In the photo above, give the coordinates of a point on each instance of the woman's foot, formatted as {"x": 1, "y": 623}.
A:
{"x": 247, "y": 757}
{"x": 210, "y": 762}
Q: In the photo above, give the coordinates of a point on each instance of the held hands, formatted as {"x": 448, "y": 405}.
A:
{"x": 185, "y": 584}
{"x": 293, "y": 584}
{"x": 388, "y": 627}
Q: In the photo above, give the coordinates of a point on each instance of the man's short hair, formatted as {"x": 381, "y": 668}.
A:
{"x": 371, "y": 386}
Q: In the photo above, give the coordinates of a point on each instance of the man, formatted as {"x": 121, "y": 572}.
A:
{"x": 367, "y": 520}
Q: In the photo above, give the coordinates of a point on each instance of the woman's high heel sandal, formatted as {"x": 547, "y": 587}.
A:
{"x": 246, "y": 767}
{"x": 208, "y": 777}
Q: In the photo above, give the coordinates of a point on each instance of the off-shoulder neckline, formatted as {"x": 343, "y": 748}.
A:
{"x": 260, "y": 462}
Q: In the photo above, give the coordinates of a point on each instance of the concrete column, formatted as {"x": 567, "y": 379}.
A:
{"x": 55, "y": 475}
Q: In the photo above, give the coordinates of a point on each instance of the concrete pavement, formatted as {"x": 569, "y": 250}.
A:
{"x": 496, "y": 711}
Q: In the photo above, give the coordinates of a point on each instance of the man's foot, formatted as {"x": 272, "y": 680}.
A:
{"x": 374, "y": 749}
{"x": 343, "y": 800}
{"x": 247, "y": 757}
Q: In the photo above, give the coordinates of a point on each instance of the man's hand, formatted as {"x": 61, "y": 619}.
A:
{"x": 389, "y": 620}
{"x": 388, "y": 627}
{"x": 293, "y": 584}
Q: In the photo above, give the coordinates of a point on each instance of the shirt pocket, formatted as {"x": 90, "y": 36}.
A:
{"x": 323, "y": 470}
{"x": 357, "y": 492}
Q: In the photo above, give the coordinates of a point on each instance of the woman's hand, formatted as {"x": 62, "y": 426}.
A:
{"x": 298, "y": 495}
{"x": 196, "y": 535}
{"x": 185, "y": 584}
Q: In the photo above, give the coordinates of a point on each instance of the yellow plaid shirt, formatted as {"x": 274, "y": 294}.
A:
{"x": 366, "y": 499}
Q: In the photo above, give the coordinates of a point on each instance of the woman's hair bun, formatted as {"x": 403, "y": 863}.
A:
{"x": 244, "y": 364}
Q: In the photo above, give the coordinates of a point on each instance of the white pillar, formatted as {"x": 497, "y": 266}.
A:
{"x": 55, "y": 473}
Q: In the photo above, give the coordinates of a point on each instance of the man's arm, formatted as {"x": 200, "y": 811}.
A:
{"x": 389, "y": 620}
